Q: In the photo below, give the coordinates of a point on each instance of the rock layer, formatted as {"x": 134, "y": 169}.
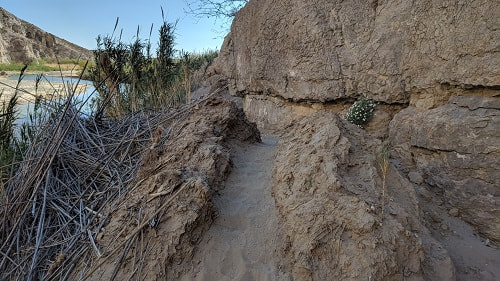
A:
{"x": 22, "y": 42}
{"x": 456, "y": 149}
{"x": 386, "y": 50}
{"x": 436, "y": 58}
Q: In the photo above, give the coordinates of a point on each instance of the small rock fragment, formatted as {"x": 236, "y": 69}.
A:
{"x": 415, "y": 177}
{"x": 435, "y": 217}
{"x": 424, "y": 193}
{"x": 453, "y": 212}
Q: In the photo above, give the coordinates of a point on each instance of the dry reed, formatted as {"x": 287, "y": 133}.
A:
{"x": 75, "y": 168}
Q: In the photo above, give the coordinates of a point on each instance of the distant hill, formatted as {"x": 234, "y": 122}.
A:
{"x": 21, "y": 41}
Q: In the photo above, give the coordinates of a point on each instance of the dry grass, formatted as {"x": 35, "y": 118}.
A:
{"x": 73, "y": 170}
{"x": 383, "y": 164}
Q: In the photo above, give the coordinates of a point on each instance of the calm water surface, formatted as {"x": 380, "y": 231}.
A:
{"x": 24, "y": 110}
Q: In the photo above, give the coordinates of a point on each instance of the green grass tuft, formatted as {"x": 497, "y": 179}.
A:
{"x": 31, "y": 67}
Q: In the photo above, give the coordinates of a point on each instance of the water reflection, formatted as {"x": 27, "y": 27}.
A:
{"x": 82, "y": 99}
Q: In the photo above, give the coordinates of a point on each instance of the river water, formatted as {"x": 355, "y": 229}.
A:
{"x": 82, "y": 97}
{"x": 50, "y": 78}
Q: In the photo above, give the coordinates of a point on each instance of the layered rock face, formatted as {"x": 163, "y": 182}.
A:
{"x": 432, "y": 66}
{"x": 330, "y": 50}
{"x": 23, "y": 42}
{"x": 435, "y": 62}
{"x": 455, "y": 148}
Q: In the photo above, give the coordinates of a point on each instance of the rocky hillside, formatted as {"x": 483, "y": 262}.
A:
{"x": 23, "y": 42}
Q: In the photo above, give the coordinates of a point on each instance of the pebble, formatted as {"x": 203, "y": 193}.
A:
{"x": 435, "y": 217}
{"x": 453, "y": 212}
{"x": 415, "y": 177}
{"x": 424, "y": 193}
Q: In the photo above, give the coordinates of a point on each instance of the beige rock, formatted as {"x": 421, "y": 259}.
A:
{"x": 457, "y": 148}
{"x": 328, "y": 191}
{"x": 322, "y": 50}
{"x": 415, "y": 177}
{"x": 453, "y": 212}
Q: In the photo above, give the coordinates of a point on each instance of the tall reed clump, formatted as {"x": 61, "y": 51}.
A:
{"x": 131, "y": 77}
{"x": 7, "y": 151}
{"x": 192, "y": 66}
{"x": 75, "y": 171}
{"x": 9, "y": 144}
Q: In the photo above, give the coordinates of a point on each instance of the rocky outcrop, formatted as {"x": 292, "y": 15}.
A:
{"x": 23, "y": 42}
{"x": 455, "y": 148}
{"x": 342, "y": 224}
{"x": 437, "y": 58}
{"x": 330, "y": 50}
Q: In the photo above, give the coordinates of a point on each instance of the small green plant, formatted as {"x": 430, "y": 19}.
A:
{"x": 361, "y": 112}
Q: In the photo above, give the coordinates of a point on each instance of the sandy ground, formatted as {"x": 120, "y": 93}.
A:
{"x": 243, "y": 242}
{"x": 474, "y": 258}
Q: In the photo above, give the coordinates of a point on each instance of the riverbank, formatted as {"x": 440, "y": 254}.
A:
{"x": 54, "y": 84}
{"x": 56, "y": 73}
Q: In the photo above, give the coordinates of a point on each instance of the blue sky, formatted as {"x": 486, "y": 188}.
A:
{"x": 80, "y": 22}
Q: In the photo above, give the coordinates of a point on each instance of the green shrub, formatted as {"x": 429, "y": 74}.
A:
{"x": 190, "y": 63}
{"x": 361, "y": 112}
{"x": 31, "y": 67}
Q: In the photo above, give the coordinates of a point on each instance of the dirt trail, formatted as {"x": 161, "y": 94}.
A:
{"x": 242, "y": 244}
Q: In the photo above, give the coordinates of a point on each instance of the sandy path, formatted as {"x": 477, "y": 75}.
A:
{"x": 473, "y": 258}
{"x": 242, "y": 243}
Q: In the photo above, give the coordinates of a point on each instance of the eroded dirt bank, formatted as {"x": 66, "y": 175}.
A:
{"x": 347, "y": 212}
{"x": 151, "y": 234}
